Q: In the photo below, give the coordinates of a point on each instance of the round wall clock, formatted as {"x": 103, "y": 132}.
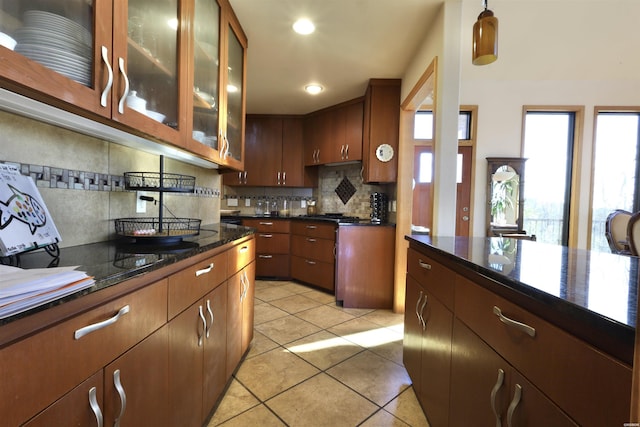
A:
{"x": 384, "y": 152}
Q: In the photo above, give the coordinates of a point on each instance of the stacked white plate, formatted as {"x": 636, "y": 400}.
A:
{"x": 57, "y": 43}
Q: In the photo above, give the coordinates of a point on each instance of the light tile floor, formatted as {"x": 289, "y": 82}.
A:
{"x": 313, "y": 363}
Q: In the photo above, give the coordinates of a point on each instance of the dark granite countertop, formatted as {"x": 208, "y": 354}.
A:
{"x": 361, "y": 222}
{"x": 591, "y": 294}
{"x": 115, "y": 261}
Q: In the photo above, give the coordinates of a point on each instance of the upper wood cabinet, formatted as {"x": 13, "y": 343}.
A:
{"x": 274, "y": 154}
{"x": 334, "y": 135}
{"x": 381, "y": 126}
{"x": 133, "y": 65}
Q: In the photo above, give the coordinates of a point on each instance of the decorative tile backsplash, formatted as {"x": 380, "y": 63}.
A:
{"x": 51, "y": 177}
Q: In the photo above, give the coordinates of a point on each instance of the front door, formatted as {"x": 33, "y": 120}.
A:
{"x": 463, "y": 196}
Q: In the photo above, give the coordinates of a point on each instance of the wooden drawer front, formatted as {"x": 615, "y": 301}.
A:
{"x": 591, "y": 387}
{"x": 313, "y": 248}
{"x": 434, "y": 277}
{"x": 314, "y": 229}
{"x": 268, "y": 225}
{"x": 313, "y": 272}
{"x": 272, "y": 243}
{"x": 272, "y": 265}
{"x": 192, "y": 283}
{"x": 39, "y": 369}
{"x": 240, "y": 256}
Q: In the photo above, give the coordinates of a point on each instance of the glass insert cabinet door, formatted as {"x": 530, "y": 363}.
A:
{"x": 504, "y": 195}
{"x": 206, "y": 75}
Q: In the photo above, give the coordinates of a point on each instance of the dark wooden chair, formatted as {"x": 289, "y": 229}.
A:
{"x": 616, "y": 231}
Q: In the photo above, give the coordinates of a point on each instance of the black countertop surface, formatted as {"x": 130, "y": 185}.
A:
{"x": 593, "y": 294}
{"x": 115, "y": 261}
{"x": 334, "y": 220}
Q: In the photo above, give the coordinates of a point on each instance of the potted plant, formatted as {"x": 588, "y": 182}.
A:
{"x": 502, "y": 199}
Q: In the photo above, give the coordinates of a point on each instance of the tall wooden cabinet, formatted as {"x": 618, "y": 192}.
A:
{"x": 96, "y": 58}
{"x": 381, "y": 129}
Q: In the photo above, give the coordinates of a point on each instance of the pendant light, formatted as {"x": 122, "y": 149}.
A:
{"x": 485, "y": 37}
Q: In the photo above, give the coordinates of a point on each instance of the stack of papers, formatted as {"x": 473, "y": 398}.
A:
{"x": 21, "y": 290}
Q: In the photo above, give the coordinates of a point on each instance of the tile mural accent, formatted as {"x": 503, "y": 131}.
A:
{"x": 50, "y": 177}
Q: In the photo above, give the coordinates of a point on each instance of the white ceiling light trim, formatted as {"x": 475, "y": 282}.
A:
{"x": 313, "y": 89}
{"x": 303, "y": 26}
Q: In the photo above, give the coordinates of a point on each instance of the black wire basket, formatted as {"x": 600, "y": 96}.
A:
{"x": 167, "y": 230}
{"x": 154, "y": 181}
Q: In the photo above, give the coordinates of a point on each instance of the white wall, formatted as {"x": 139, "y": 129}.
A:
{"x": 551, "y": 52}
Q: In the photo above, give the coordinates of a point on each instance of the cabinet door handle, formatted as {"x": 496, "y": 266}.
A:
{"x": 424, "y": 265}
{"x": 310, "y": 262}
{"x": 126, "y": 86}
{"x": 204, "y": 270}
{"x": 221, "y": 147}
{"x": 278, "y": 178}
{"x": 342, "y": 152}
{"x": 123, "y": 396}
{"x": 265, "y": 256}
{"x": 266, "y": 236}
{"x": 311, "y": 227}
{"x": 107, "y": 88}
{"x": 244, "y": 249}
{"x": 517, "y": 396}
{"x": 424, "y": 303}
{"x": 518, "y": 325}
{"x": 210, "y": 317}
{"x": 245, "y": 177}
{"x": 95, "y": 326}
{"x": 494, "y": 391}
{"x": 346, "y": 151}
{"x": 310, "y": 240}
{"x": 418, "y": 305}
{"x": 204, "y": 326}
{"x": 266, "y": 223}
{"x": 240, "y": 177}
{"x": 93, "y": 403}
{"x": 284, "y": 178}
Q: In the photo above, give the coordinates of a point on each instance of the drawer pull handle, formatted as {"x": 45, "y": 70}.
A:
{"x": 311, "y": 227}
{"x": 424, "y": 303}
{"x": 517, "y": 396}
{"x": 210, "y": 317}
{"x": 107, "y": 88}
{"x": 518, "y": 325}
{"x": 94, "y": 327}
{"x": 93, "y": 403}
{"x": 265, "y": 223}
{"x": 494, "y": 391}
{"x": 424, "y": 265}
{"x": 266, "y": 236}
{"x": 204, "y": 270}
{"x": 123, "y": 397}
{"x": 244, "y": 249}
{"x": 310, "y": 262}
{"x": 311, "y": 240}
{"x": 265, "y": 256}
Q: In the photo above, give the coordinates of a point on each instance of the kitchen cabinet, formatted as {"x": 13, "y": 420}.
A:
{"x": 505, "y": 365}
{"x": 313, "y": 253}
{"x": 491, "y": 391}
{"x": 274, "y": 154}
{"x": 359, "y": 282}
{"x": 334, "y": 135}
{"x": 381, "y": 131}
{"x": 427, "y": 334}
{"x": 239, "y": 315}
{"x": 273, "y": 242}
{"x": 216, "y": 83}
{"x": 42, "y": 368}
{"x": 128, "y": 64}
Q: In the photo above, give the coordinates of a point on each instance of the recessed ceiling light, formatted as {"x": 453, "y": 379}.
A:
{"x": 313, "y": 89}
{"x": 303, "y": 26}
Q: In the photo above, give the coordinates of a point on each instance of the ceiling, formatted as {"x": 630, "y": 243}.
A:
{"x": 355, "y": 40}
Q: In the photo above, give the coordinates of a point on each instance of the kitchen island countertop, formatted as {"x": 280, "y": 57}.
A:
{"x": 591, "y": 294}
